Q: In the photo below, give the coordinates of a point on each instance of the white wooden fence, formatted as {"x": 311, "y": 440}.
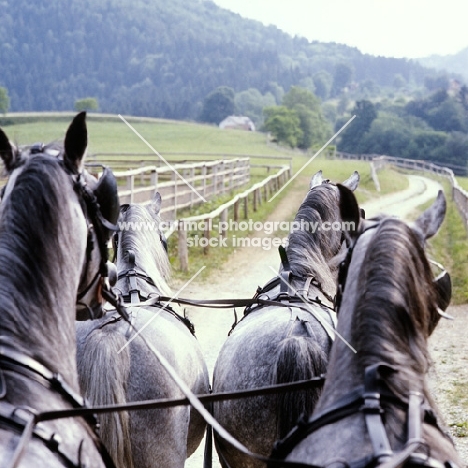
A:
{"x": 210, "y": 179}
{"x": 239, "y": 205}
{"x": 182, "y": 185}
{"x": 459, "y": 195}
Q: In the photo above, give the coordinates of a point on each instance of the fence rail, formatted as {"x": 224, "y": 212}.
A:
{"x": 125, "y": 161}
{"x": 258, "y": 192}
{"x": 182, "y": 185}
{"x": 459, "y": 195}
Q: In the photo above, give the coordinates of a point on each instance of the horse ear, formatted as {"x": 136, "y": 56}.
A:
{"x": 155, "y": 204}
{"x": 353, "y": 181}
{"x": 431, "y": 220}
{"x": 76, "y": 142}
{"x": 349, "y": 209}
{"x": 317, "y": 179}
{"x": 7, "y": 151}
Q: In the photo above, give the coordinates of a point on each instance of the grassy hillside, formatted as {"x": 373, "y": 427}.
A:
{"x": 109, "y": 134}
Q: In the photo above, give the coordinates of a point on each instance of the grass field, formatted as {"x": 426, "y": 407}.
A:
{"x": 109, "y": 134}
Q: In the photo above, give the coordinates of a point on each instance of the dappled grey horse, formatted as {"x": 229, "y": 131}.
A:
{"x": 116, "y": 366}
{"x": 285, "y": 342}
{"x": 376, "y": 407}
{"x": 55, "y": 222}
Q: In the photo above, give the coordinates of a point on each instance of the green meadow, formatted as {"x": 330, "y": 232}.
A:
{"x": 138, "y": 140}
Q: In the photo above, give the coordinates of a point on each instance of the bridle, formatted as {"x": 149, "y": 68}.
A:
{"x": 344, "y": 267}
{"x": 100, "y": 226}
{"x": 368, "y": 399}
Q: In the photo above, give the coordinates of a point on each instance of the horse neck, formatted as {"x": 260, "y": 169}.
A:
{"x": 309, "y": 256}
{"x": 39, "y": 279}
{"x": 145, "y": 263}
{"x": 373, "y": 333}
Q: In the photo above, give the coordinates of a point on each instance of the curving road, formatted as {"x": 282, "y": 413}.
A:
{"x": 250, "y": 267}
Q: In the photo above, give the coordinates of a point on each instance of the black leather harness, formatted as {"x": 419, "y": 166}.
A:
{"x": 368, "y": 399}
{"x": 26, "y": 422}
{"x": 135, "y": 298}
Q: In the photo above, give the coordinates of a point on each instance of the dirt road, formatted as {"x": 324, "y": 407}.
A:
{"x": 250, "y": 267}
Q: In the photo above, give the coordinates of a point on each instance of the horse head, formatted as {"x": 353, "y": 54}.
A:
{"x": 317, "y": 236}
{"x": 140, "y": 247}
{"x": 425, "y": 227}
{"x": 96, "y": 204}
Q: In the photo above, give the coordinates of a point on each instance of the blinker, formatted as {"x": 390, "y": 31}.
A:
{"x": 106, "y": 193}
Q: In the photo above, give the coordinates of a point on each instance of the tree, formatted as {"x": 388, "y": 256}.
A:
{"x": 352, "y": 136}
{"x": 4, "y": 100}
{"x": 399, "y": 81}
{"x": 323, "y": 83}
{"x": 313, "y": 125}
{"x": 218, "y": 105}
{"x": 283, "y": 124}
{"x": 433, "y": 83}
{"x": 302, "y": 96}
{"x": 86, "y": 104}
{"x": 449, "y": 116}
{"x": 341, "y": 78}
{"x": 251, "y": 103}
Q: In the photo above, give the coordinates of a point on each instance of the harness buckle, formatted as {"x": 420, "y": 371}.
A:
{"x": 371, "y": 404}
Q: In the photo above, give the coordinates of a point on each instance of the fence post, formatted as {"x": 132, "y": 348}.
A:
{"x": 246, "y": 207}
{"x": 182, "y": 246}
{"x": 204, "y": 180}
{"x": 174, "y": 178}
{"x": 223, "y": 219}
{"x": 236, "y": 211}
{"x": 207, "y": 236}
{"x": 154, "y": 181}
{"x": 215, "y": 179}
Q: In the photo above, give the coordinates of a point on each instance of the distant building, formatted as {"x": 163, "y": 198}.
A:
{"x": 238, "y": 122}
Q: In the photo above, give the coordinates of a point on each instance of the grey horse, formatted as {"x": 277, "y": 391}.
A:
{"x": 55, "y": 222}
{"x": 115, "y": 365}
{"x": 376, "y": 407}
{"x": 280, "y": 344}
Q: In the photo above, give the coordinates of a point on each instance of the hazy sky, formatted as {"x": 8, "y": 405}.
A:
{"x": 392, "y": 28}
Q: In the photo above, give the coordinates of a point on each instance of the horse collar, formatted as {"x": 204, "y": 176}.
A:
{"x": 132, "y": 275}
{"x": 285, "y": 276}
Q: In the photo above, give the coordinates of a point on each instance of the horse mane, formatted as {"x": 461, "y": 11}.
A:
{"x": 142, "y": 236}
{"x": 396, "y": 306}
{"x": 310, "y": 252}
{"x": 31, "y": 221}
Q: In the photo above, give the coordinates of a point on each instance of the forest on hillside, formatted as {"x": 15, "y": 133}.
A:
{"x": 161, "y": 59}
{"x": 176, "y": 59}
